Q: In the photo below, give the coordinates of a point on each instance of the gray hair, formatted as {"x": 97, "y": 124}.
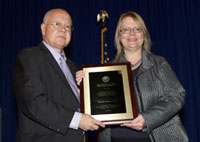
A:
{"x": 48, "y": 13}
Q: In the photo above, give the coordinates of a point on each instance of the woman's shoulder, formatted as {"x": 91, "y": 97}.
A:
{"x": 156, "y": 58}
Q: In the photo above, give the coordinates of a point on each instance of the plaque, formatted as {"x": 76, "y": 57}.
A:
{"x": 107, "y": 93}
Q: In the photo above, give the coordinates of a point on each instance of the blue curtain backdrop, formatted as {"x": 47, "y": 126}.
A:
{"x": 173, "y": 26}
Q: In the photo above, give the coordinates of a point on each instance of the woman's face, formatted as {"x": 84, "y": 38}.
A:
{"x": 131, "y": 35}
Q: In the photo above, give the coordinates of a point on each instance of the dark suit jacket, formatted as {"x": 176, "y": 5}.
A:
{"x": 46, "y": 102}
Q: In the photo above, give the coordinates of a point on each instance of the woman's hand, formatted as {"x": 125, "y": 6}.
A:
{"x": 79, "y": 76}
{"x": 138, "y": 123}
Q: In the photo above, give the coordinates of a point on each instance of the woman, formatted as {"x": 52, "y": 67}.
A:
{"x": 159, "y": 94}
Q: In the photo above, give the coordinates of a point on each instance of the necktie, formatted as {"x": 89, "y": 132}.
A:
{"x": 69, "y": 76}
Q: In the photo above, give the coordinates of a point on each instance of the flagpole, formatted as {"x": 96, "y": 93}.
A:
{"x": 102, "y": 44}
{"x": 102, "y": 16}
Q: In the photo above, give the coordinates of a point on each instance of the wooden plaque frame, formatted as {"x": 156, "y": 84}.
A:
{"x": 123, "y": 71}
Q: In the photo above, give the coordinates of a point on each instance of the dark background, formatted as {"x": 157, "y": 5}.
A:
{"x": 173, "y": 26}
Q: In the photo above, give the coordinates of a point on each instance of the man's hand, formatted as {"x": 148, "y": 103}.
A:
{"x": 79, "y": 76}
{"x": 138, "y": 123}
{"x": 89, "y": 123}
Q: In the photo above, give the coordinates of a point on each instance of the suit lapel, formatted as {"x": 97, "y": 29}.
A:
{"x": 54, "y": 64}
{"x": 49, "y": 57}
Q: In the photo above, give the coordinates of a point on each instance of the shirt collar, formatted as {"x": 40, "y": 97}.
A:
{"x": 55, "y": 53}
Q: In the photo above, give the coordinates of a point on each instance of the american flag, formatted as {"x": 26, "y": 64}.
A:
{"x": 104, "y": 46}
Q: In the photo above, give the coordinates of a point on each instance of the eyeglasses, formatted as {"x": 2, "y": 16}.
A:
{"x": 128, "y": 30}
{"x": 66, "y": 26}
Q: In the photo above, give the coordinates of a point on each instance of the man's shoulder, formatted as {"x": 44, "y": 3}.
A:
{"x": 31, "y": 51}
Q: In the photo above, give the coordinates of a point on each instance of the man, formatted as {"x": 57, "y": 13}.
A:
{"x": 48, "y": 103}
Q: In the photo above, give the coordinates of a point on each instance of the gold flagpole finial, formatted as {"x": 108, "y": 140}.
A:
{"x": 102, "y": 16}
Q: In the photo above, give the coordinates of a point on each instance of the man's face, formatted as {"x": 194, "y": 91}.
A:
{"x": 56, "y": 30}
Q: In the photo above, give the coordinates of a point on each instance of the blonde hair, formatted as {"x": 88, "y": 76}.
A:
{"x": 138, "y": 19}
